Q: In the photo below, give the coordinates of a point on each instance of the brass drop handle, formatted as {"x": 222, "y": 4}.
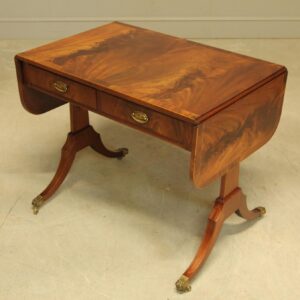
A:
{"x": 60, "y": 86}
{"x": 140, "y": 117}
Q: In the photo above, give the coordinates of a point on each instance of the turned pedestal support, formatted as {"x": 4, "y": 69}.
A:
{"x": 231, "y": 200}
{"x": 80, "y": 136}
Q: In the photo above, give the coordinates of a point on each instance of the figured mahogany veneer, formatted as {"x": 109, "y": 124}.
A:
{"x": 231, "y": 135}
{"x": 218, "y": 105}
{"x": 181, "y": 78}
{"x": 45, "y": 81}
{"x": 173, "y": 130}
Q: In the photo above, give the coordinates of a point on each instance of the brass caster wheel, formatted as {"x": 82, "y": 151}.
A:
{"x": 261, "y": 210}
{"x": 124, "y": 151}
{"x": 37, "y": 203}
{"x": 183, "y": 284}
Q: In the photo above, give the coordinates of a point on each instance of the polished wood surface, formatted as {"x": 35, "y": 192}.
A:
{"x": 38, "y": 95}
{"x": 43, "y": 80}
{"x": 231, "y": 200}
{"x": 175, "y": 131}
{"x": 237, "y": 131}
{"x": 34, "y": 101}
{"x": 180, "y": 78}
{"x": 80, "y": 136}
{"x": 220, "y": 106}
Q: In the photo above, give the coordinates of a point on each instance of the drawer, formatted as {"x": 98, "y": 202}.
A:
{"x": 59, "y": 86}
{"x": 145, "y": 119}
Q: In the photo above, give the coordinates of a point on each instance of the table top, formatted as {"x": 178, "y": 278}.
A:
{"x": 181, "y": 78}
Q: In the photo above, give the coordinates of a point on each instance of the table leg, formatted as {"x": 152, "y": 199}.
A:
{"x": 81, "y": 136}
{"x": 231, "y": 200}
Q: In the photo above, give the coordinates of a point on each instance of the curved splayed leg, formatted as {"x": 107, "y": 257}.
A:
{"x": 81, "y": 136}
{"x": 213, "y": 228}
{"x": 231, "y": 200}
{"x": 247, "y": 214}
{"x": 67, "y": 158}
{"x": 99, "y": 147}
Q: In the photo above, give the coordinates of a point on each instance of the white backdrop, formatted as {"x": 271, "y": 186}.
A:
{"x": 191, "y": 19}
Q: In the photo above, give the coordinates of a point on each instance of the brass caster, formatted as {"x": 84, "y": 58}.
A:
{"x": 183, "y": 284}
{"x": 37, "y": 203}
{"x": 124, "y": 152}
{"x": 261, "y": 210}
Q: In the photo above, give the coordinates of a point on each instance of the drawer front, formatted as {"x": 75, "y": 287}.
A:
{"x": 60, "y": 86}
{"x": 145, "y": 119}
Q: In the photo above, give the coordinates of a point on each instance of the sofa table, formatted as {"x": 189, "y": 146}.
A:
{"x": 218, "y": 105}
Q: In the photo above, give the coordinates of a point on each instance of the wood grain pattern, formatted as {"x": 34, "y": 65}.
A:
{"x": 180, "y": 78}
{"x": 175, "y": 131}
{"x": 35, "y": 102}
{"x": 231, "y": 200}
{"x": 219, "y": 105}
{"x": 76, "y": 92}
{"x": 81, "y": 135}
{"x": 234, "y": 133}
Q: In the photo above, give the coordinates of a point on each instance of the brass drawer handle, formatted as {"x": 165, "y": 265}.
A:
{"x": 140, "y": 117}
{"x": 60, "y": 86}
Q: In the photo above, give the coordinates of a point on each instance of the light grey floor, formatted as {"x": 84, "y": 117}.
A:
{"x": 128, "y": 229}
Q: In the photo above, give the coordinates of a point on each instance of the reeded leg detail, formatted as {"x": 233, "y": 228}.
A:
{"x": 231, "y": 200}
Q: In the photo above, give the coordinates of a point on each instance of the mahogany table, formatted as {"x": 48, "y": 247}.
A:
{"x": 218, "y": 105}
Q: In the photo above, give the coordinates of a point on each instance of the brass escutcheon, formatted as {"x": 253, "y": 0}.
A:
{"x": 60, "y": 86}
{"x": 140, "y": 117}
